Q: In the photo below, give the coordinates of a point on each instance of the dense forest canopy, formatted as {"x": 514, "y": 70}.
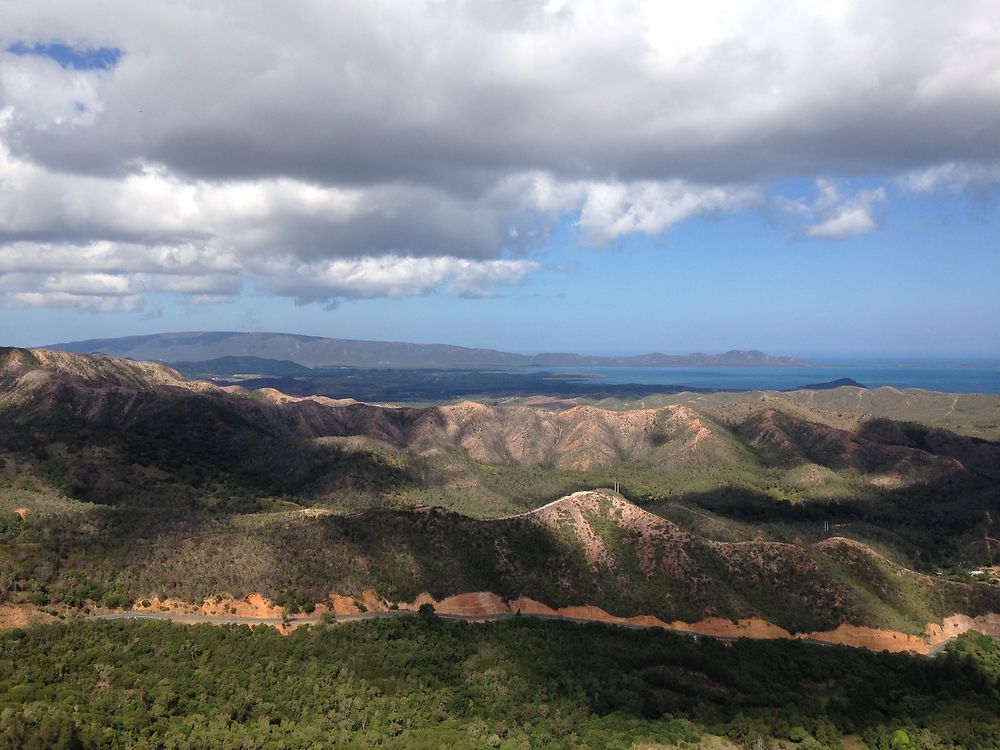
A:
{"x": 429, "y": 683}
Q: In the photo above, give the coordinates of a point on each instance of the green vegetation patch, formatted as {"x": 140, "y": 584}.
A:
{"x": 428, "y": 683}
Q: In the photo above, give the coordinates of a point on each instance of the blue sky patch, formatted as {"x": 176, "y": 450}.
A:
{"x": 95, "y": 58}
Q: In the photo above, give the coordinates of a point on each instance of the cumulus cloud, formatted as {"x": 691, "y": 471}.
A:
{"x": 832, "y": 214}
{"x": 160, "y": 234}
{"x": 376, "y": 91}
{"x": 609, "y": 209}
{"x": 952, "y": 176}
{"x": 848, "y": 221}
{"x": 381, "y": 148}
{"x": 614, "y": 210}
{"x": 393, "y": 277}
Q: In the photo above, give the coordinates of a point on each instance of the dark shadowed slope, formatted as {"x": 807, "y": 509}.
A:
{"x": 203, "y": 490}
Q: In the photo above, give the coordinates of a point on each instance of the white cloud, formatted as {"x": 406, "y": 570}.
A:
{"x": 160, "y": 234}
{"x": 835, "y": 215}
{"x": 156, "y": 232}
{"x": 38, "y": 90}
{"x": 386, "y": 148}
{"x": 613, "y": 210}
{"x": 376, "y": 91}
{"x": 951, "y": 176}
{"x": 609, "y": 209}
{"x": 847, "y": 221}
{"x": 392, "y": 277}
{"x": 324, "y": 281}
{"x": 87, "y": 302}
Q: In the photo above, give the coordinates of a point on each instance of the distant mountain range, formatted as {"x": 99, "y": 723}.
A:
{"x": 316, "y": 351}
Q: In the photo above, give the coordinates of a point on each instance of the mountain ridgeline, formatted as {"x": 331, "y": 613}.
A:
{"x": 122, "y": 480}
{"x": 316, "y": 351}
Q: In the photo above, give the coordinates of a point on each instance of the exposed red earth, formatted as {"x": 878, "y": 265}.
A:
{"x": 486, "y": 605}
{"x": 574, "y": 438}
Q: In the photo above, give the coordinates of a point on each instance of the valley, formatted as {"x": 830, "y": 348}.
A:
{"x": 768, "y": 505}
{"x": 134, "y": 499}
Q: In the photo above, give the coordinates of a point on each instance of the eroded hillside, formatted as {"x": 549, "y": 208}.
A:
{"x": 590, "y": 548}
{"x": 130, "y": 481}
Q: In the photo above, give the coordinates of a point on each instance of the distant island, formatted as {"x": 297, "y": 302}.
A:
{"x": 830, "y": 385}
{"x": 316, "y": 351}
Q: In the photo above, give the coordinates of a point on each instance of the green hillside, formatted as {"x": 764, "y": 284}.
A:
{"x": 515, "y": 685}
{"x": 134, "y": 486}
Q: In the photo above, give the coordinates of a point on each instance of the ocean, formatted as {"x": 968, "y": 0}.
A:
{"x": 933, "y": 378}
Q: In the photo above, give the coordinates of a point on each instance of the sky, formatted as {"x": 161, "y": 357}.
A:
{"x": 815, "y": 180}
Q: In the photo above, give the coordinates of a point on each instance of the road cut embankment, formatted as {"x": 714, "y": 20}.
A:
{"x": 487, "y": 605}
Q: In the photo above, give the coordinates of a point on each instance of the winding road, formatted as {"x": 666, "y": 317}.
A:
{"x": 194, "y": 619}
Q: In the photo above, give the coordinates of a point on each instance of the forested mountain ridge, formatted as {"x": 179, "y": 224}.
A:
{"x": 133, "y": 481}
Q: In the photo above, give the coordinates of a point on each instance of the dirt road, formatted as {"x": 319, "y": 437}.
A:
{"x": 193, "y": 619}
